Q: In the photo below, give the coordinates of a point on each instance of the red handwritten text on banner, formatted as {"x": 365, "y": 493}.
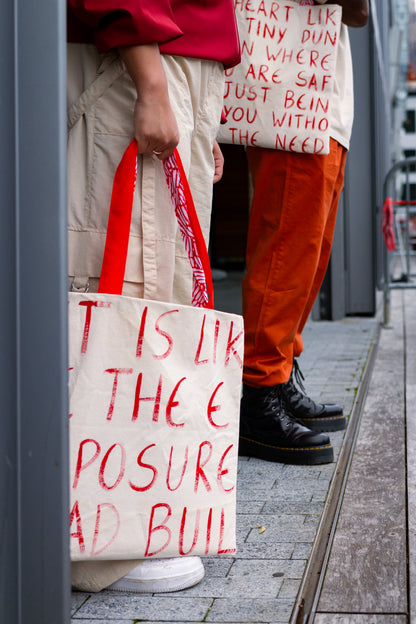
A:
{"x": 280, "y": 95}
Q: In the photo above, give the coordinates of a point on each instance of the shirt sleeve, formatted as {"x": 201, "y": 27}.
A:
{"x": 127, "y": 22}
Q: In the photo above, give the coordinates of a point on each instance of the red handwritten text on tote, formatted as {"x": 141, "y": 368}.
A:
{"x": 153, "y": 466}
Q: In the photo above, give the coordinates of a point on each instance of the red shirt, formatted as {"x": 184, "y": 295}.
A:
{"x": 197, "y": 28}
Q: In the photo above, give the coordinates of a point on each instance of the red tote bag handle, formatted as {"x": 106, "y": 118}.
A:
{"x": 118, "y": 229}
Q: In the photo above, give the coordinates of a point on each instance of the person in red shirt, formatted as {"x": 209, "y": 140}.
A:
{"x": 167, "y": 92}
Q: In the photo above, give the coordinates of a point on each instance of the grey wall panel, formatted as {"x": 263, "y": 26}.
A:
{"x": 8, "y": 438}
{"x": 337, "y": 270}
{"x": 359, "y": 198}
{"x": 357, "y": 239}
{"x": 35, "y": 583}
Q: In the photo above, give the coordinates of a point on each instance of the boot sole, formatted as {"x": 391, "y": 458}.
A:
{"x": 328, "y": 423}
{"x": 303, "y": 455}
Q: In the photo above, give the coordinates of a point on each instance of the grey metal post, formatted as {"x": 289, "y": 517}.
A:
{"x": 349, "y": 286}
{"x": 368, "y": 160}
{"x": 8, "y": 441}
{"x": 35, "y": 585}
{"x": 360, "y": 286}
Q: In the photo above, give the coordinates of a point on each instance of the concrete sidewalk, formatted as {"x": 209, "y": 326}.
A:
{"x": 275, "y": 571}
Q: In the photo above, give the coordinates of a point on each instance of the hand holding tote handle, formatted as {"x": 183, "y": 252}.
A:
{"x": 118, "y": 229}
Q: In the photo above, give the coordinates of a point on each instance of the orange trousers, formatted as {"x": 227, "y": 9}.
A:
{"x": 289, "y": 242}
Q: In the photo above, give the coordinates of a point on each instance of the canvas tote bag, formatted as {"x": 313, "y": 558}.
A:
{"x": 154, "y": 404}
{"x": 279, "y": 97}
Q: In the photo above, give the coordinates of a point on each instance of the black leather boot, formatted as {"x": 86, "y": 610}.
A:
{"x": 315, "y": 416}
{"x": 269, "y": 431}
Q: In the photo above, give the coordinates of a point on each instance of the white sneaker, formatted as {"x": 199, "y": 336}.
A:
{"x": 161, "y": 575}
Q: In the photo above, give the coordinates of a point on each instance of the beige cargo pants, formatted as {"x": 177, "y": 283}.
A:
{"x": 101, "y": 98}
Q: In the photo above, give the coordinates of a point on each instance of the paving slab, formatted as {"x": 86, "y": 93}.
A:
{"x": 170, "y": 608}
{"x": 280, "y": 550}
{"x": 94, "y": 621}
{"x": 128, "y": 621}
{"x": 250, "y": 610}
{"x": 267, "y": 570}
{"x": 77, "y": 599}
{"x": 289, "y": 589}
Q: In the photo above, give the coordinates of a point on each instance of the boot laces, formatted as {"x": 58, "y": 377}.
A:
{"x": 276, "y": 403}
{"x": 272, "y": 400}
{"x": 298, "y": 377}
